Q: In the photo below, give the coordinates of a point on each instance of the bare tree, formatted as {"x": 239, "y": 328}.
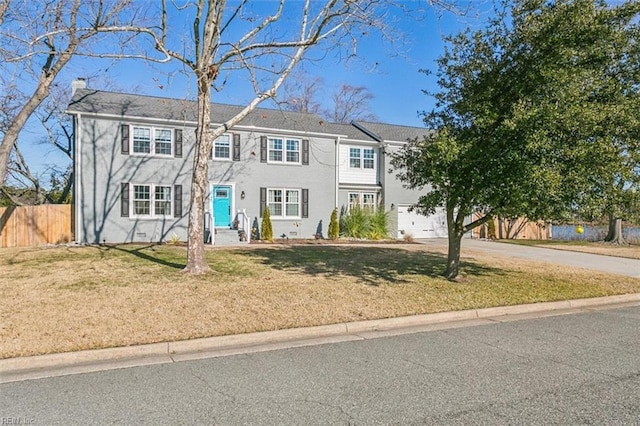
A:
{"x": 268, "y": 51}
{"x": 351, "y": 103}
{"x": 348, "y": 103}
{"x": 300, "y": 93}
{"x": 38, "y": 39}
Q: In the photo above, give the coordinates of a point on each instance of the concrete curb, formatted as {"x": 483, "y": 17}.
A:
{"x": 24, "y": 368}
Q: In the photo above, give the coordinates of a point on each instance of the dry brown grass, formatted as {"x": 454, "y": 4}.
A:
{"x": 629, "y": 251}
{"x": 73, "y": 298}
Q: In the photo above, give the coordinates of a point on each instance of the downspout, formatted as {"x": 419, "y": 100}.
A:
{"x": 337, "y": 172}
{"x": 77, "y": 175}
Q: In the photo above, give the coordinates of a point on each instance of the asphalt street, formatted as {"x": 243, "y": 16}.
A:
{"x": 572, "y": 369}
{"x": 609, "y": 264}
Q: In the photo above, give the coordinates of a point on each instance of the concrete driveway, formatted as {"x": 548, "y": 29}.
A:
{"x": 609, "y": 264}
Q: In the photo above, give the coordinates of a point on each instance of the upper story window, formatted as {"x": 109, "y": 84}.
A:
{"x": 367, "y": 158}
{"x": 361, "y": 158}
{"x": 354, "y": 158}
{"x": 222, "y": 147}
{"x": 284, "y": 150}
{"x": 150, "y": 140}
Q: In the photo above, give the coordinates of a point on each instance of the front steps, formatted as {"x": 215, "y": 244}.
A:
{"x": 228, "y": 237}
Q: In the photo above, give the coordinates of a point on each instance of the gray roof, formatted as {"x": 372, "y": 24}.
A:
{"x": 140, "y": 106}
{"x": 392, "y": 132}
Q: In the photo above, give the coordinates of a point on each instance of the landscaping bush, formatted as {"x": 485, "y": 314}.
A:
{"x": 364, "y": 224}
{"x": 334, "y": 227}
{"x": 378, "y": 225}
{"x": 267, "y": 228}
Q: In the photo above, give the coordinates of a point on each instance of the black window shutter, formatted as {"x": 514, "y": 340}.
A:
{"x": 177, "y": 150}
{"x": 263, "y": 149}
{"x": 124, "y": 139}
{"x": 124, "y": 199}
{"x": 236, "y": 147}
{"x": 263, "y": 200}
{"x": 177, "y": 200}
{"x": 305, "y": 203}
{"x": 305, "y": 152}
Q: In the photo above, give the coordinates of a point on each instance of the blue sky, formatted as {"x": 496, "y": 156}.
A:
{"x": 389, "y": 70}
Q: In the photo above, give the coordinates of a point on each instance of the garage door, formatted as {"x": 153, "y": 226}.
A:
{"x": 419, "y": 226}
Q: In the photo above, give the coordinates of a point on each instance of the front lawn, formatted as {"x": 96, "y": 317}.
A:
{"x": 72, "y": 298}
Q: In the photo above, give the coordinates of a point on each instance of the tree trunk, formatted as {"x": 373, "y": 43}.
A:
{"x": 196, "y": 260}
{"x": 455, "y": 240}
{"x": 614, "y": 236}
{"x": 453, "y": 257}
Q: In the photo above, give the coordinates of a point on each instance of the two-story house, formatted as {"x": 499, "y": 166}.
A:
{"x": 134, "y": 162}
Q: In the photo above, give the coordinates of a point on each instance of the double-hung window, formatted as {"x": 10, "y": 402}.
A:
{"x": 354, "y": 200}
{"x": 142, "y": 140}
{"x": 162, "y": 141}
{"x": 293, "y": 151}
{"x": 363, "y": 200}
{"x": 150, "y": 140}
{"x": 275, "y": 150}
{"x": 354, "y": 158}
{"x": 361, "y": 158}
{"x": 369, "y": 201}
{"x": 142, "y": 200}
{"x": 151, "y": 200}
{"x": 284, "y": 150}
{"x": 284, "y": 203}
{"x": 367, "y": 158}
{"x": 222, "y": 147}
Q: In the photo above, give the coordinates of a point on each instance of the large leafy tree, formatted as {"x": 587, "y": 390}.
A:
{"x": 523, "y": 115}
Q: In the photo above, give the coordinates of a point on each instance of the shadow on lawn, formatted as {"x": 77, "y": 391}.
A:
{"x": 138, "y": 252}
{"x": 371, "y": 265}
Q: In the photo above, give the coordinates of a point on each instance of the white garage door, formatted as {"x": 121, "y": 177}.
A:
{"x": 419, "y": 226}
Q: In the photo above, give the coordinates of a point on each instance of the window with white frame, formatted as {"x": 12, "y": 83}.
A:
{"x": 369, "y": 201}
{"x": 151, "y": 200}
{"x": 367, "y": 158}
{"x": 293, "y": 151}
{"x": 361, "y": 158}
{"x": 283, "y": 150}
{"x": 147, "y": 140}
{"x": 222, "y": 147}
{"x": 354, "y": 158}
{"x": 162, "y": 141}
{"x": 363, "y": 200}
{"x": 283, "y": 202}
{"x": 141, "y": 140}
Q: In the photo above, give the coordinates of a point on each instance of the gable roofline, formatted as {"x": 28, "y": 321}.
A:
{"x": 392, "y": 133}
{"x": 367, "y": 131}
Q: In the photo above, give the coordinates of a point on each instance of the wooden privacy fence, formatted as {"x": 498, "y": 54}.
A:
{"x": 520, "y": 228}
{"x": 29, "y": 226}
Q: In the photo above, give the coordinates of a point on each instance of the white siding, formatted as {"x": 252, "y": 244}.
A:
{"x": 357, "y": 175}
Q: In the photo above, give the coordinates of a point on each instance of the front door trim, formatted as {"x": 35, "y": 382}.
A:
{"x": 232, "y": 203}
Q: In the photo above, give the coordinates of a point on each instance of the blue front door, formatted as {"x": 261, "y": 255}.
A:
{"x": 222, "y": 206}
